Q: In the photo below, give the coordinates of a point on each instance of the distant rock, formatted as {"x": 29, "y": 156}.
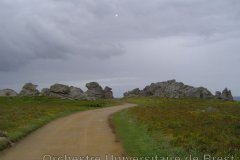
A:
{"x": 45, "y": 92}
{"x": 133, "y": 93}
{"x": 171, "y": 89}
{"x": 60, "y": 89}
{"x": 218, "y": 95}
{"x": 108, "y": 94}
{"x": 29, "y": 89}
{"x": 8, "y": 92}
{"x": 224, "y": 95}
{"x": 227, "y": 95}
{"x": 200, "y": 92}
{"x": 94, "y": 91}
{"x": 77, "y": 93}
{"x": 64, "y": 91}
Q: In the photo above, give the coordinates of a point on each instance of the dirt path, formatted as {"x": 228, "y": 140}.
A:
{"x": 81, "y": 134}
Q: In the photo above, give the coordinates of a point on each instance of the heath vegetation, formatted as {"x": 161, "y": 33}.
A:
{"x": 180, "y": 127}
{"x": 20, "y": 116}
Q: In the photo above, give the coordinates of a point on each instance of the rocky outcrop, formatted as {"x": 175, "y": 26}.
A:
{"x": 133, "y": 93}
{"x": 60, "y": 89}
{"x": 94, "y": 91}
{"x": 171, "y": 89}
{"x": 218, "y": 95}
{"x": 225, "y": 95}
{"x": 64, "y": 91}
{"x": 108, "y": 94}
{"x": 45, "y": 92}
{"x": 29, "y": 89}
{"x": 77, "y": 93}
{"x": 8, "y": 92}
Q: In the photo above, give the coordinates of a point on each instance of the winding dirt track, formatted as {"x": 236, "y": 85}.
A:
{"x": 82, "y": 134}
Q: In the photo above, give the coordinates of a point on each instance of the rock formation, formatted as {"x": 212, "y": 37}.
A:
{"x": 29, "y": 89}
{"x": 108, "y": 94}
{"x": 64, "y": 91}
{"x": 218, "y": 95}
{"x": 225, "y": 95}
{"x": 59, "y": 90}
{"x": 133, "y": 93}
{"x": 8, "y": 92}
{"x": 45, "y": 92}
{"x": 94, "y": 91}
{"x": 77, "y": 93}
{"x": 171, "y": 89}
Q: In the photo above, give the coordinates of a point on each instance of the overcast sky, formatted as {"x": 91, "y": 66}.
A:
{"x": 120, "y": 43}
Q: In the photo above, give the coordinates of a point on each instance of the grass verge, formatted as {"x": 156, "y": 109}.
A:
{"x": 20, "y": 116}
{"x": 180, "y": 128}
{"x": 135, "y": 138}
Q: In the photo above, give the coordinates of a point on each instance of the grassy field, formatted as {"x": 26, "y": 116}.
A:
{"x": 180, "y": 127}
{"x": 20, "y": 116}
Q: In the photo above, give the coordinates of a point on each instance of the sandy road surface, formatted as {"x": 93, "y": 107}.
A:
{"x": 81, "y": 134}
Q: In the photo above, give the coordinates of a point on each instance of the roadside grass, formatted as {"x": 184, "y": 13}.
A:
{"x": 180, "y": 127}
{"x": 20, "y": 116}
{"x": 135, "y": 137}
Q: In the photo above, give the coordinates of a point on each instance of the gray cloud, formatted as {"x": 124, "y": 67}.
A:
{"x": 79, "y": 40}
{"x": 49, "y": 30}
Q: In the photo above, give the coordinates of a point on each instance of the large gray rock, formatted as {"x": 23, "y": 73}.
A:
{"x": 108, "y": 94}
{"x": 133, "y": 93}
{"x": 29, "y": 89}
{"x": 171, "y": 89}
{"x": 45, "y": 92}
{"x": 64, "y": 91}
{"x": 60, "y": 88}
{"x": 227, "y": 95}
{"x": 199, "y": 92}
{"x": 94, "y": 91}
{"x": 224, "y": 95}
{"x": 77, "y": 93}
{"x": 218, "y": 95}
{"x": 8, "y": 92}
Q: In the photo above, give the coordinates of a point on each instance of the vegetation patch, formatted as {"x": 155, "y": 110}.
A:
{"x": 180, "y": 127}
{"x": 19, "y": 116}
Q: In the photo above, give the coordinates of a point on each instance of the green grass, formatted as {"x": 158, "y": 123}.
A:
{"x": 19, "y": 116}
{"x": 180, "y": 127}
{"x": 136, "y": 139}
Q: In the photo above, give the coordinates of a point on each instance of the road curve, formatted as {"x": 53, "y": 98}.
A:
{"x": 82, "y": 135}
